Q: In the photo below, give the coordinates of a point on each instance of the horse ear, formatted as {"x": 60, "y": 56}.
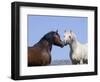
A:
{"x": 57, "y": 31}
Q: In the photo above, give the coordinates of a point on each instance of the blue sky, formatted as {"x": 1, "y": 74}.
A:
{"x": 39, "y": 25}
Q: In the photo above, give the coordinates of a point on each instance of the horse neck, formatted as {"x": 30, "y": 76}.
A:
{"x": 74, "y": 44}
{"x": 45, "y": 44}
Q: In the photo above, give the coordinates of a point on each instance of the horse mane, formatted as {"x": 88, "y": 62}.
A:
{"x": 48, "y": 37}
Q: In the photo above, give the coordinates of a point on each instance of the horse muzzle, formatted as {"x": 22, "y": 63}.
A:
{"x": 65, "y": 43}
{"x": 62, "y": 44}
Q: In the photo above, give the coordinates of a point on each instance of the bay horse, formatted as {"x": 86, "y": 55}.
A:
{"x": 78, "y": 51}
{"x": 40, "y": 53}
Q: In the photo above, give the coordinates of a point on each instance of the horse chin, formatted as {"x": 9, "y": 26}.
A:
{"x": 61, "y": 46}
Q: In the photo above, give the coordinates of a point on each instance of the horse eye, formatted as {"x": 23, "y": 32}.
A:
{"x": 70, "y": 37}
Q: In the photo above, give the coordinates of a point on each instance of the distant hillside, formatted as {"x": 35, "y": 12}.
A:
{"x": 61, "y": 62}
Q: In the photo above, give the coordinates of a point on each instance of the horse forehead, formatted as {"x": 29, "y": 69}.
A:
{"x": 54, "y": 33}
{"x": 67, "y": 34}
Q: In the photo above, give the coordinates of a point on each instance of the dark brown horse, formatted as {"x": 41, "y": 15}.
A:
{"x": 40, "y": 53}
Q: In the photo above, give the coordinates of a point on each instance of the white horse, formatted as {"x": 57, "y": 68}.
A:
{"x": 78, "y": 51}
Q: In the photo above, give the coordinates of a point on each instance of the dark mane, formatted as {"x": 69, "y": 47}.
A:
{"x": 48, "y": 36}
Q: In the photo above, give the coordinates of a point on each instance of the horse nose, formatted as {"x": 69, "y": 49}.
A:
{"x": 64, "y": 43}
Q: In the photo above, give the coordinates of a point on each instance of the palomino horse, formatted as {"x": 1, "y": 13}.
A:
{"x": 40, "y": 53}
{"x": 78, "y": 51}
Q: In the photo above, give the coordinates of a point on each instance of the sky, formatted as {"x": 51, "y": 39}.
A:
{"x": 39, "y": 25}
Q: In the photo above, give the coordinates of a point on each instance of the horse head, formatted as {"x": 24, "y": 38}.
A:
{"x": 69, "y": 37}
{"x": 53, "y": 37}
